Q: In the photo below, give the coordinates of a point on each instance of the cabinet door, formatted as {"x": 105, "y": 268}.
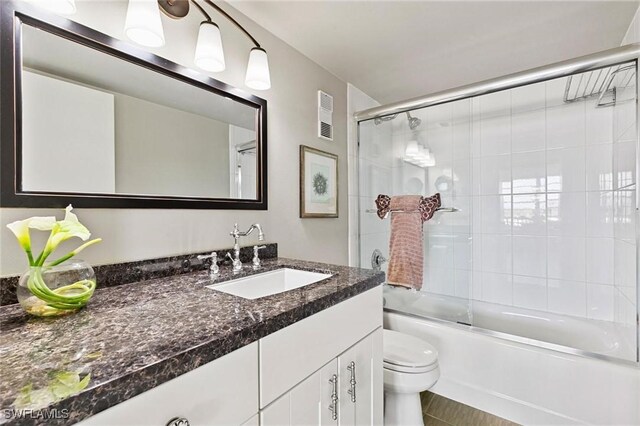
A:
{"x": 306, "y": 404}
{"x": 360, "y": 375}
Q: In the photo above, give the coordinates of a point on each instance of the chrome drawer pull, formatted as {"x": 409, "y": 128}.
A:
{"x": 178, "y": 421}
{"x": 352, "y": 391}
{"x": 334, "y": 397}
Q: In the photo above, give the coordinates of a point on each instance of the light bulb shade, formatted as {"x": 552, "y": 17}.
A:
{"x": 430, "y": 161}
{"x": 143, "y": 24}
{"x": 423, "y": 153}
{"x": 63, "y": 7}
{"x": 258, "y": 77}
{"x": 412, "y": 149}
{"x": 209, "y": 54}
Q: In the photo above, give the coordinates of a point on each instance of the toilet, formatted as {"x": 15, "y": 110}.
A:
{"x": 410, "y": 367}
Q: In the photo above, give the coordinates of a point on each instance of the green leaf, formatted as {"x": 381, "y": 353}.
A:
{"x": 62, "y": 385}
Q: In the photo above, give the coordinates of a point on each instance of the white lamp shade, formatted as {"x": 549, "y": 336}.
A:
{"x": 412, "y": 149}
{"x": 258, "y": 77}
{"x": 63, "y": 7}
{"x": 209, "y": 54}
{"x": 143, "y": 24}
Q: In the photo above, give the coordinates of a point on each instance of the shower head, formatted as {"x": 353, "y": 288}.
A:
{"x": 414, "y": 122}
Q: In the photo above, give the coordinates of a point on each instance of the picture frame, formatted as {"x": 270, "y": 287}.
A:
{"x": 318, "y": 183}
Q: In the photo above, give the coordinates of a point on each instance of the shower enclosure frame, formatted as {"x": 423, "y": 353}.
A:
{"x": 603, "y": 59}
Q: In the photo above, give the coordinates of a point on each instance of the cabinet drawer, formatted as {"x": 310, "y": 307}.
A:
{"x": 290, "y": 355}
{"x": 224, "y": 392}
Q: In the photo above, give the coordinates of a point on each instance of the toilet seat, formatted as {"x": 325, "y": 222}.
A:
{"x": 408, "y": 354}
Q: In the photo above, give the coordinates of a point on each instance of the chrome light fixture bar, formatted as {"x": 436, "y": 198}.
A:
{"x": 144, "y": 26}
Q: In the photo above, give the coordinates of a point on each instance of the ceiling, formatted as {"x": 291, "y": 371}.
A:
{"x": 395, "y": 50}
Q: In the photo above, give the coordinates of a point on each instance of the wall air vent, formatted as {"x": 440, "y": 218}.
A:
{"x": 325, "y": 115}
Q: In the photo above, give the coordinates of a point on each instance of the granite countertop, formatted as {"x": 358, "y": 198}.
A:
{"x": 133, "y": 337}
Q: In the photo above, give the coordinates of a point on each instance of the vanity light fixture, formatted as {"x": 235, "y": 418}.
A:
{"x": 418, "y": 155}
{"x": 143, "y": 24}
{"x": 144, "y": 27}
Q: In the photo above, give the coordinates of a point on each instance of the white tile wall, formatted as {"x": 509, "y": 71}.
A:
{"x": 528, "y": 132}
{"x": 624, "y": 130}
{"x": 566, "y": 258}
{"x": 528, "y": 172}
{"x": 547, "y": 198}
{"x": 600, "y": 214}
{"x": 530, "y": 256}
{"x": 566, "y": 170}
{"x": 567, "y": 297}
{"x": 600, "y": 302}
{"x": 530, "y": 292}
{"x": 566, "y": 125}
{"x": 551, "y": 230}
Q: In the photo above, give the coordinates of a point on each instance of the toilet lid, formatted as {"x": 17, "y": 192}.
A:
{"x": 407, "y": 353}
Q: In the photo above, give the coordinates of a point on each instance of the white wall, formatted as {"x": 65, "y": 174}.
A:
{"x": 292, "y": 106}
{"x": 166, "y": 151}
{"x": 66, "y": 123}
{"x": 247, "y": 162}
{"x": 633, "y": 33}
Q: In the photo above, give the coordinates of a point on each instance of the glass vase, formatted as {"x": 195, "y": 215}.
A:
{"x": 56, "y": 290}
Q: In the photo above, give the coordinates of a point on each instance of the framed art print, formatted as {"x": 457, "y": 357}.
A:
{"x": 318, "y": 183}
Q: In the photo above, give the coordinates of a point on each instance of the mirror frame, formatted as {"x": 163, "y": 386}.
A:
{"x": 15, "y": 14}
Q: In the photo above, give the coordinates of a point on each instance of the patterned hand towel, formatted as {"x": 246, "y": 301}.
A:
{"x": 408, "y": 213}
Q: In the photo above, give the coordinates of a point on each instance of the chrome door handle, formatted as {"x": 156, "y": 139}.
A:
{"x": 334, "y": 397}
{"x": 352, "y": 381}
{"x": 178, "y": 421}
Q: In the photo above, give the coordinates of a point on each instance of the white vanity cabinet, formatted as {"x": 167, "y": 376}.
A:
{"x": 323, "y": 370}
{"x": 299, "y": 361}
{"x": 361, "y": 383}
{"x": 306, "y": 404}
{"x": 346, "y": 391}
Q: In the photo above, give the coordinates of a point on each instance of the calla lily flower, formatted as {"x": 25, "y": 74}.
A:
{"x": 69, "y": 227}
{"x": 20, "y": 229}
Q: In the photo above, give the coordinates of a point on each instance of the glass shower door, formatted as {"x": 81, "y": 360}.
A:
{"x": 424, "y": 152}
{"x": 536, "y": 241}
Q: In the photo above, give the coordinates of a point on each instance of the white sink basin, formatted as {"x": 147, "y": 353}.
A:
{"x": 269, "y": 283}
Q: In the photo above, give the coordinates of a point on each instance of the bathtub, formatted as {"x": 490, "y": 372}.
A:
{"x": 527, "y": 366}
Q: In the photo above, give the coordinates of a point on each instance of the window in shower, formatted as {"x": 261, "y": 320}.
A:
{"x": 543, "y": 245}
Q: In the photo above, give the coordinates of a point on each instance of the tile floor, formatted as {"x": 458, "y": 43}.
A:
{"x": 440, "y": 411}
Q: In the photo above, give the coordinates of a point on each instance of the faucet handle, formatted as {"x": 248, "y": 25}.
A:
{"x": 256, "y": 258}
{"x": 213, "y": 269}
{"x": 213, "y": 256}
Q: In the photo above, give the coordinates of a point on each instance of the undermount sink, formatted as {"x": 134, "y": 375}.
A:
{"x": 269, "y": 283}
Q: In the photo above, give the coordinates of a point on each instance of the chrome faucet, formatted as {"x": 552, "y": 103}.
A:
{"x": 236, "y": 234}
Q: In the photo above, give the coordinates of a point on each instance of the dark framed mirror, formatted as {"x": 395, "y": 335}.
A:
{"x": 94, "y": 121}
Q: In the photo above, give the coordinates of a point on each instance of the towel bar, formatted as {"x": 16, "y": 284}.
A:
{"x": 439, "y": 209}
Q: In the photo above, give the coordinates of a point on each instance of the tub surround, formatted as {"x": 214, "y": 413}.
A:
{"x": 133, "y": 337}
{"x": 123, "y": 273}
